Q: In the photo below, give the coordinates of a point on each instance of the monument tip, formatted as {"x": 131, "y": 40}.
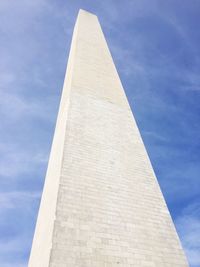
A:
{"x": 83, "y": 11}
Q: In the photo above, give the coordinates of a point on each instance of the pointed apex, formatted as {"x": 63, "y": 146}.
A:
{"x": 85, "y": 12}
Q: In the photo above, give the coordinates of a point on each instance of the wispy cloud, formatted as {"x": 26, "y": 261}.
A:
{"x": 8, "y": 200}
{"x": 22, "y": 160}
{"x": 17, "y": 211}
{"x": 16, "y": 107}
{"x": 188, "y": 225}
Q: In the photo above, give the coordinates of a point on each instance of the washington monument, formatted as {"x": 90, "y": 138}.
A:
{"x": 101, "y": 204}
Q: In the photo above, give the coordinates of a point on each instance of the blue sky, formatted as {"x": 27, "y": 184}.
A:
{"x": 156, "y": 48}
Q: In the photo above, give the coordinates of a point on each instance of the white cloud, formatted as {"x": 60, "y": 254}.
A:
{"x": 6, "y": 78}
{"x": 188, "y": 225}
{"x": 15, "y": 160}
{"x": 155, "y": 136}
{"x": 17, "y": 210}
{"x": 16, "y": 107}
{"x": 9, "y": 200}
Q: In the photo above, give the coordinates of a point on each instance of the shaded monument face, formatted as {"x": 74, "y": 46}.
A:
{"x": 101, "y": 204}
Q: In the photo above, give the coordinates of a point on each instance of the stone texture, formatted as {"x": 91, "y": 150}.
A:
{"x": 101, "y": 205}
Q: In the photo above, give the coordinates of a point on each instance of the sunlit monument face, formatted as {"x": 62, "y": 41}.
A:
{"x": 101, "y": 203}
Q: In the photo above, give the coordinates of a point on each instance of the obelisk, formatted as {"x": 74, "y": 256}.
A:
{"x": 101, "y": 204}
